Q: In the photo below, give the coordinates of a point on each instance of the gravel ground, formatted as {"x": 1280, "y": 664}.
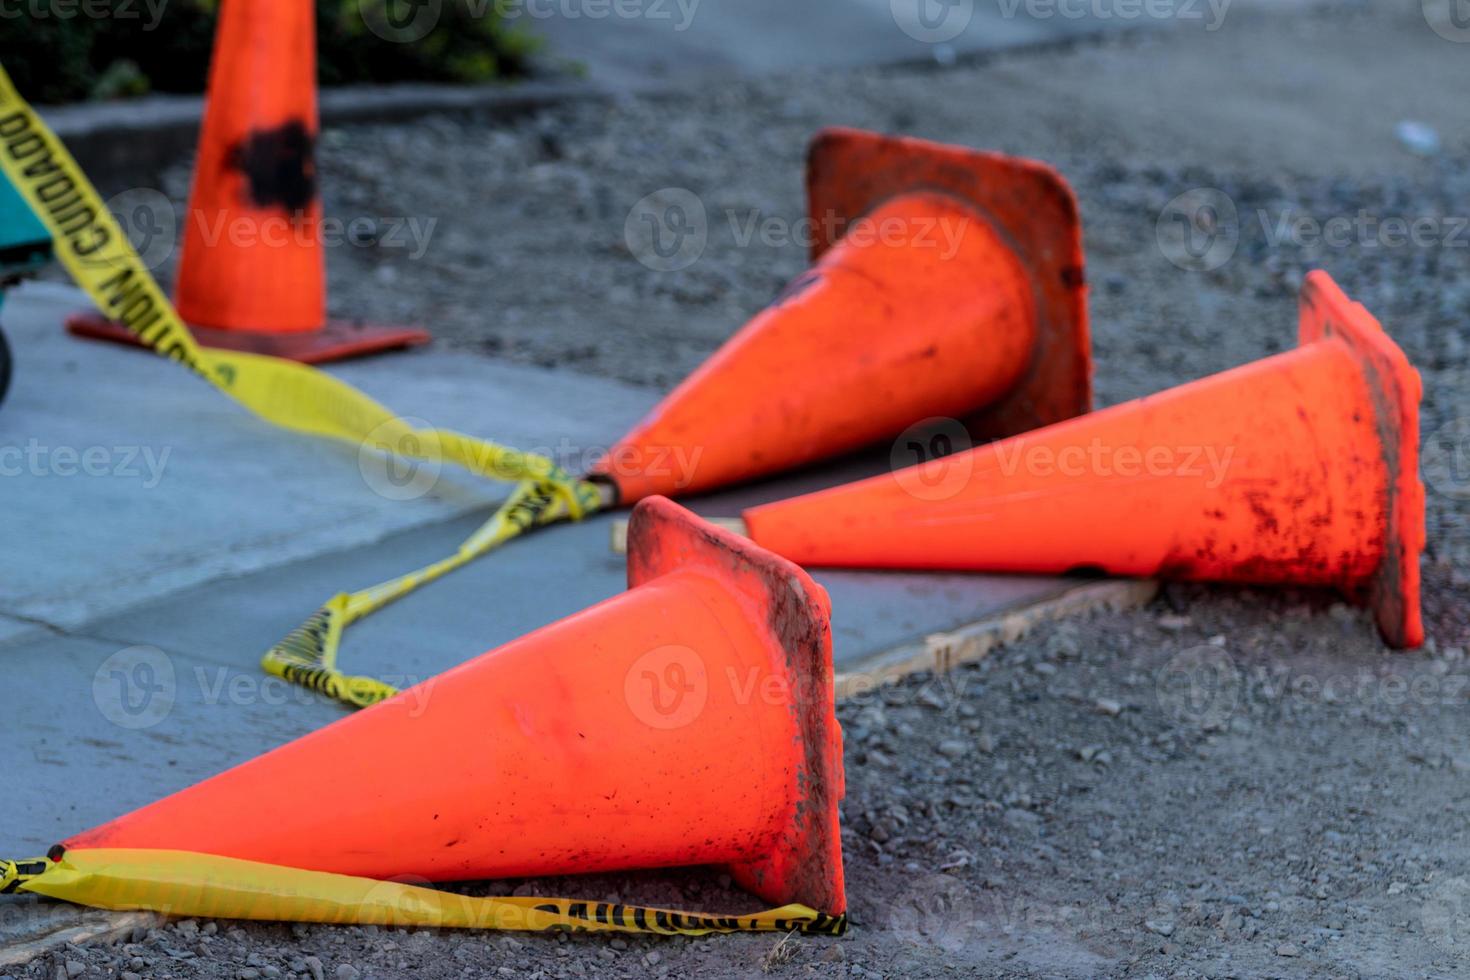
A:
{"x": 1230, "y": 783}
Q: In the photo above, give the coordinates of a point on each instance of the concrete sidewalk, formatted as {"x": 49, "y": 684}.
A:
{"x": 166, "y": 539}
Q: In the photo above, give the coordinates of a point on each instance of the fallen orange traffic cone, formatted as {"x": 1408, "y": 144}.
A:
{"x": 947, "y": 283}
{"x": 1300, "y": 468}
{"x": 251, "y": 273}
{"x": 687, "y": 721}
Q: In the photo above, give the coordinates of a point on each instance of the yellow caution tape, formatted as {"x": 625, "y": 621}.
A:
{"x": 13, "y": 874}
{"x": 294, "y": 396}
{"x": 100, "y": 258}
{"x": 308, "y": 655}
{"x": 183, "y": 883}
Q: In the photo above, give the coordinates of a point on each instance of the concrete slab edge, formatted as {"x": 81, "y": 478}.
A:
{"x": 139, "y": 136}
{"x": 941, "y": 652}
{"x": 145, "y": 134}
{"x": 59, "y": 925}
{"x": 73, "y": 612}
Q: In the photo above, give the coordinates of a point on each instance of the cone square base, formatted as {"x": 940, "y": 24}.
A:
{"x": 337, "y": 341}
{"x": 851, "y": 172}
{"x": 805, "y": 866}
{"x": 1393, "y": 592}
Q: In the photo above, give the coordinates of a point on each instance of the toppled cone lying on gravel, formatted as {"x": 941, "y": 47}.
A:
{"x": 1301, "y": 468}
{"x": 611, "y": 740}
{"x": 946, "y": 282}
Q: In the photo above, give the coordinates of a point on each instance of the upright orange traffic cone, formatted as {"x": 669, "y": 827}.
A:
{"x": 251, "y": 272}
{"x": 947, "y": 283}
{"x": 1300, "y": 468}
{"x": 687, "y": 721}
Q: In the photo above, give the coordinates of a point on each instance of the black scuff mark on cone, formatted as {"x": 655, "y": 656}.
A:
{"x": 279, "y": 166}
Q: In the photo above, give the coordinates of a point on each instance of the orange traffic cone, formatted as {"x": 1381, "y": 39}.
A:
{"x": 251, "y": 273}
{"x": 1300, "y": 468}
{"x": 947, "y": 283}
{"x": 687, "y": 721}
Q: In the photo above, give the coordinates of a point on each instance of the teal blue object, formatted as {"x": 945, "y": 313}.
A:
{"x": 24, "y": 242}
{"x": 24, "y": 247}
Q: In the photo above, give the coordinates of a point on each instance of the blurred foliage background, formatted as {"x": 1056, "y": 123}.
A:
{"x": 63, "y": 51}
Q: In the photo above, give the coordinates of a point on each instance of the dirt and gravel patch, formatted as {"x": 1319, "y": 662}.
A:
{"x": 1230, "y": 783}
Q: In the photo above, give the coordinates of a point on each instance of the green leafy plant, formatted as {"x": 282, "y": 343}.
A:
{"x": 55, "y": 58}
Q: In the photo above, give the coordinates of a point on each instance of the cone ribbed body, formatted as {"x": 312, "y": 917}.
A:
{"x": 946, "y": 283}
{"x": 251, "y": 256}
